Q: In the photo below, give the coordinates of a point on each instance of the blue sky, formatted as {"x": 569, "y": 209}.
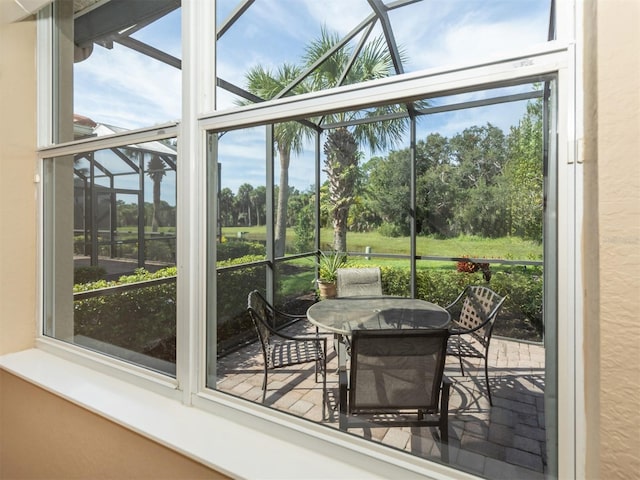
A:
{"x": 124, "y": 88}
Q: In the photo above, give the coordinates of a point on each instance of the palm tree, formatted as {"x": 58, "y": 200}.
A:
{"x": 288, "y": 137}
{"x": 341, "y": 66}
{"x": 155, "y": 170}
{"x": 226, "y": 207}
{"x": 346, "y": 66}
{"x": 244, "y": 199}
{"x": 259, "y": 200}
{"x": 341, "y": 166}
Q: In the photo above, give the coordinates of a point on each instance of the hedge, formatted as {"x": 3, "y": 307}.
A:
{"x": 138, "y": 319}
{"x": 134, "y": 319}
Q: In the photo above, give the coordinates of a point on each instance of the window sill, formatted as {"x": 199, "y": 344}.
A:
{"x": 283, "y": 446}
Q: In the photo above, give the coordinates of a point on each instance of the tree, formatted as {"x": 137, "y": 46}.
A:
{"x": 479, "y": 155}
{"x": 259, "y": 200}
{"x": 225, "y": 206}
{"x": 389, "y": 182}
{"x": 524, "y": 176}
{"x": 288, "y": 137}
{"x": 373, "y": 62}
{"x": 436, "y": 193}
{"x": 305, "y": 226}
{"x": 155, "y": 170}
{"x": 341, "y": 166}
{"x": 244, "y": 201}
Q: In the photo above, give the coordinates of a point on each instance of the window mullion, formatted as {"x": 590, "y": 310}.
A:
{"x": 198, "y": 64}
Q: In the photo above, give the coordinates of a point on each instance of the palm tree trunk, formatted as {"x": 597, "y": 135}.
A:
{"x": 283, "y": 200}
{"x": 340, "y": 229}
{"x": 155, "y": 223}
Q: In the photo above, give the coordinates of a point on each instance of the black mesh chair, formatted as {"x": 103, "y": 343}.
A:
{"x": 281, "y": 350}
{"x": 396, "y": 379}
{"x": 473, "y": 315}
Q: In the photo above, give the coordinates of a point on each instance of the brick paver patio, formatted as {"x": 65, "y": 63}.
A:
{"x": 506, "y": 440}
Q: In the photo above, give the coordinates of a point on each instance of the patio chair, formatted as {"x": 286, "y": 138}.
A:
{"x": 396, "y": 380}
{"x": 473, "y": 315}
{"x": 358, "y": 281}
{"x": 280, "y": 350}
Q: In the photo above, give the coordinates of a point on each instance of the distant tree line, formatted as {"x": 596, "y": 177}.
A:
{"x": 162, "y": 214}
{"x": 479, "y": 182}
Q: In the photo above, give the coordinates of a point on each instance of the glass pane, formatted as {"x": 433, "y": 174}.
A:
{"x": 233, "y": 332}
{"x": 122, "y": 69}
{"x": 242, "y": 197}
{"x": 110, "y": 271}
{"x": 476, "y": 219}
{"x": 277, "y": 49}
{"x": 295, "y": 285}
{"x": 294, "y": 168}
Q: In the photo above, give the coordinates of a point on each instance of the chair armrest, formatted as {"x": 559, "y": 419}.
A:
{"x": 452, "y": 304}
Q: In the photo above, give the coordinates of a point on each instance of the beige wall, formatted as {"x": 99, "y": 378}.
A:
{"x": 17, "y": 188}
{"x": 614, "y": 115}
{"x": 46, "y": 437}
{"x": 41, "y": 435}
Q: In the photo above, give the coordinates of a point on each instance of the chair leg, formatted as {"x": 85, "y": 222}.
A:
{"x": 444, "y": 442}
{"x": 264, "y": 385}
{"x": 342, "y": 399}
{"x": 444, "y": 422}
{"x": 460, "y": 357}
{"x": 324, "y": 392}
{"x": 486, "y": 376}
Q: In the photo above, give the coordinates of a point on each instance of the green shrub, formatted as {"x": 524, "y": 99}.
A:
{"x": 392, "y": 230}
{"x": 524, "y": 290}
{"x": 522, "y": 286}
{"x": 133, "y": 319}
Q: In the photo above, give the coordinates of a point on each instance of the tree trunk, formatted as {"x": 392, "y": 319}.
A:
{"x": 155, "y": 223}
{"x": 283, "y": 200}
{"x": 340, "y": 230}
{"x": 341, "y": 166}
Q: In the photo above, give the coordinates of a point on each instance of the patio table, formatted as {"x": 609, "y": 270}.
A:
{"x": 343, "y": 315}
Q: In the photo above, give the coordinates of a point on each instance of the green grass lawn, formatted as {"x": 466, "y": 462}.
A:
{"x": 510, "y": 248}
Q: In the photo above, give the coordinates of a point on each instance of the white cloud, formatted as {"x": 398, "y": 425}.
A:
{"x": 473, "y": 42}
{"x": 338, "y": 15}
{"x": 126, "y": 89}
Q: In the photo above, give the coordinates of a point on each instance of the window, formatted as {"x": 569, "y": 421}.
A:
{"x": 111, "y": 217}
{"x": 126, "y": 70}
{"x": 473, "y": 165}
{"x": 111, "y": 198}
{"x": 454, "y": 181}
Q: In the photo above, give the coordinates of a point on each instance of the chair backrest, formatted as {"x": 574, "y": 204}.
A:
{"x": 480, "y": 307}
{"x": 262, "y": 315}
{"x": 397, "y": 369}
{"x": 358, "y": 281}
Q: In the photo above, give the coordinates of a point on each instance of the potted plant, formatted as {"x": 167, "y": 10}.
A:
{"x": 328, "y": 265}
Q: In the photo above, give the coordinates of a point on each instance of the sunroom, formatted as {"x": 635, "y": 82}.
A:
{"x": 411, "y": 136}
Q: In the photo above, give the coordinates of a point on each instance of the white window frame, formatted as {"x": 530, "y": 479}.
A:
{"x": 560, "y": 58}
